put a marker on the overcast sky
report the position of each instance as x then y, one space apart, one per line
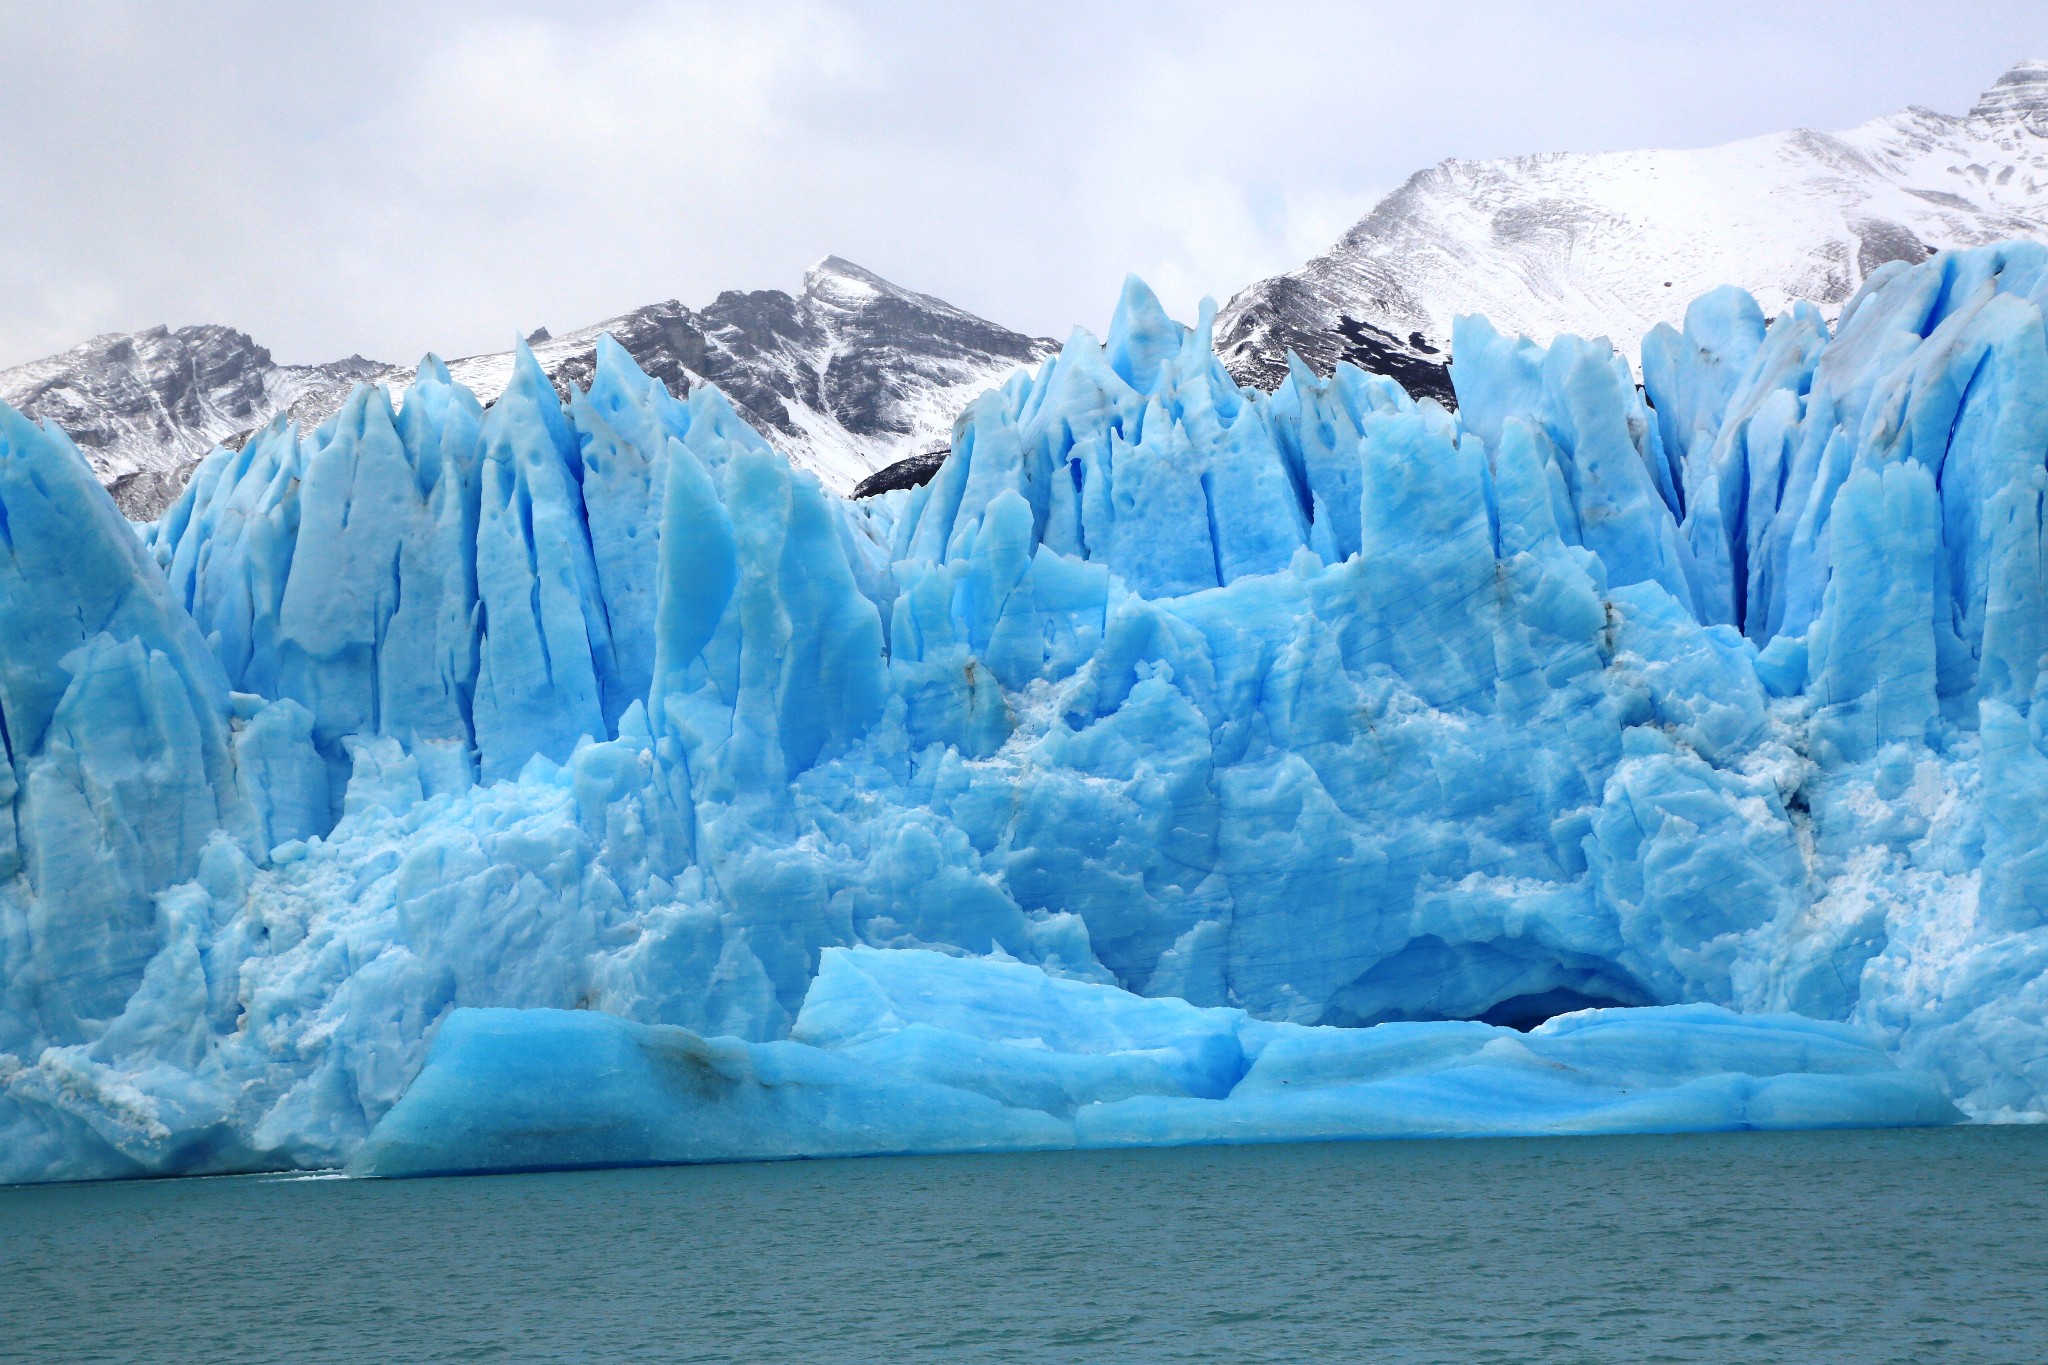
388 178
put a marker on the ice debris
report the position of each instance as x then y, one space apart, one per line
1324 706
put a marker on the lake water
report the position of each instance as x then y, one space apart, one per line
1910 1246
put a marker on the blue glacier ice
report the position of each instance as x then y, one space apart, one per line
913 1051
1194 741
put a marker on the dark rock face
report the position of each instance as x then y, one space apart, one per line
1255 348
1417 364
892 343
851 346
842 375
664 338
146 406
158 382
914 472
1878 242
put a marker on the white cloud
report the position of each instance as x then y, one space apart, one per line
392 177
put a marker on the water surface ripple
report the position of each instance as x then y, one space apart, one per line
1864 1247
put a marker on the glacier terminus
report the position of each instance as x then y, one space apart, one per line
559 783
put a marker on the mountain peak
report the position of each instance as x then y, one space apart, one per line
1586 243
841 286
2020 95
843 281
840 266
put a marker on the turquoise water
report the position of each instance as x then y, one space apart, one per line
1910 1246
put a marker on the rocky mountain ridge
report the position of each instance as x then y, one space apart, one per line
847 376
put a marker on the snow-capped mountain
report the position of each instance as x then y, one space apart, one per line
848 376
1613 243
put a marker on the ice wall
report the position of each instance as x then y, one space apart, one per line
1324 705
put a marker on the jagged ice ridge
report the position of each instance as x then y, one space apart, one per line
1711 707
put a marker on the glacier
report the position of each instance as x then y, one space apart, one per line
1597 758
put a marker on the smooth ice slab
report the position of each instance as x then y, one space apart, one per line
510 1090
916 1051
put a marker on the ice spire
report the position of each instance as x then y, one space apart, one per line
1142 338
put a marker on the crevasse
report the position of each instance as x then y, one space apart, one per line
1318 708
